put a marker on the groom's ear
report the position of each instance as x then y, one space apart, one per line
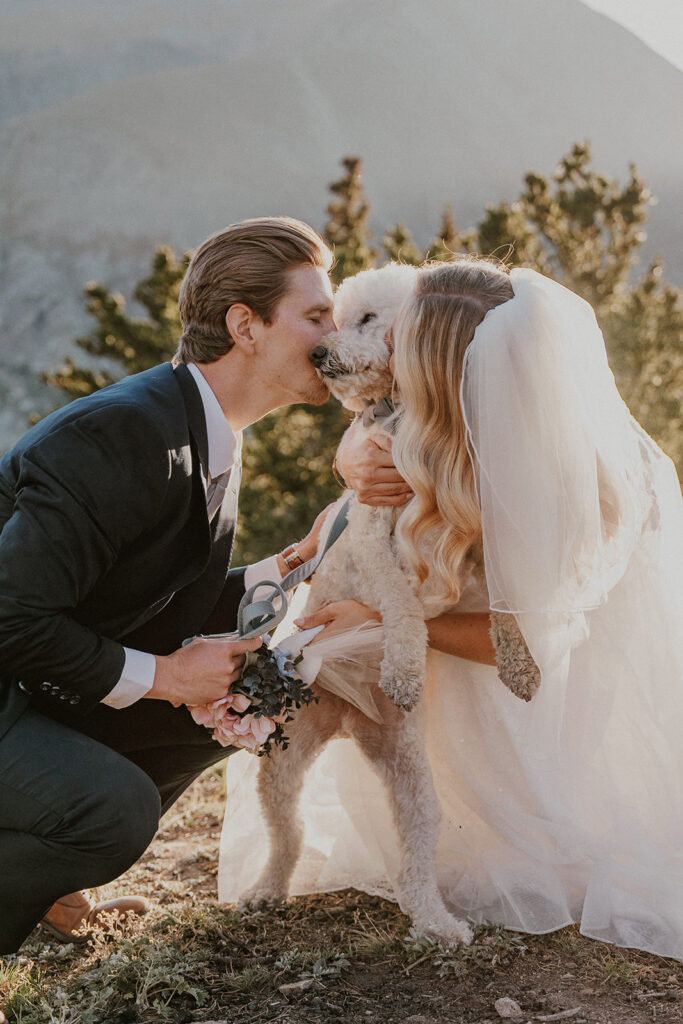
240 320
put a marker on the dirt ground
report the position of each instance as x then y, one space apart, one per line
346 957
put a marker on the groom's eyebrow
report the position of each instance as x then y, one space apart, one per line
319 309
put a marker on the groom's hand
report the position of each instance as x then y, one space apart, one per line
368 468
201 672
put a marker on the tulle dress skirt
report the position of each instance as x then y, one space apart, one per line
567 809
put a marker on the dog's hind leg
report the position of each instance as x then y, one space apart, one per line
280 781
398 757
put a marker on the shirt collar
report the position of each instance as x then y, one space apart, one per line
225 446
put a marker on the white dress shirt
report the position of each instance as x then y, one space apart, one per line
225 449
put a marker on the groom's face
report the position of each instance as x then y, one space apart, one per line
301 320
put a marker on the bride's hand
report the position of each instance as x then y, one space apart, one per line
338 616
367 467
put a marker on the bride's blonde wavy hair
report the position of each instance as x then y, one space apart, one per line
431 334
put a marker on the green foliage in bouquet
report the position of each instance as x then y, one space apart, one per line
274 689
577 226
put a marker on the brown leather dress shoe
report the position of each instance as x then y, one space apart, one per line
73 917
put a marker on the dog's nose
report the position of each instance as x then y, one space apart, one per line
318 354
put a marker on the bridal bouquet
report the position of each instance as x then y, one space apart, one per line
255 709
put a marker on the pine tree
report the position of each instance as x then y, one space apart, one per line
643 328
591 227
399 244
507 234
133 343
585 230
447 242
347 231
580 228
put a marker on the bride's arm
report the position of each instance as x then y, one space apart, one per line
463 634
491 639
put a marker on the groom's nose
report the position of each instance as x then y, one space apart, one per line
318 354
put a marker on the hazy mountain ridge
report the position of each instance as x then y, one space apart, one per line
165 122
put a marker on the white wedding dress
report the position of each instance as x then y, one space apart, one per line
566 809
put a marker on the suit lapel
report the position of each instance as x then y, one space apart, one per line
196 420
225 518
221 529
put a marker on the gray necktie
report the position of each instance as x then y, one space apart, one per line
215 492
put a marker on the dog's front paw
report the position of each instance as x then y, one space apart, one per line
524 686
516 668
403 689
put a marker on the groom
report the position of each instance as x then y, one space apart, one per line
117 517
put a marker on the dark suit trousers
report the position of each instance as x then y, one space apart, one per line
86 803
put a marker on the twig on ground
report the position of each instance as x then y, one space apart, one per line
562 1015
422 959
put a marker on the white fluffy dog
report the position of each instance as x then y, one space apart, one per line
364 565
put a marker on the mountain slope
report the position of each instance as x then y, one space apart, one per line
162 121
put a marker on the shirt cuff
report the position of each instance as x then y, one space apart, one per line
136 679
266 569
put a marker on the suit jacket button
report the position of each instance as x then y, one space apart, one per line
64 696
75 699
54 690
46 687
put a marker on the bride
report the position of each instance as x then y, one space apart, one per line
566 809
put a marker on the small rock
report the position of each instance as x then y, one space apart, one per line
508 1008
673 995
295 987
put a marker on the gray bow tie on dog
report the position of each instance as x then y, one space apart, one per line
380 413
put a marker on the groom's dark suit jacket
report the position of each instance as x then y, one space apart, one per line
105 541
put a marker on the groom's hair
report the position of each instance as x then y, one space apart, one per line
245 262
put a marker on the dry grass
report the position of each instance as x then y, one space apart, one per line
355 956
